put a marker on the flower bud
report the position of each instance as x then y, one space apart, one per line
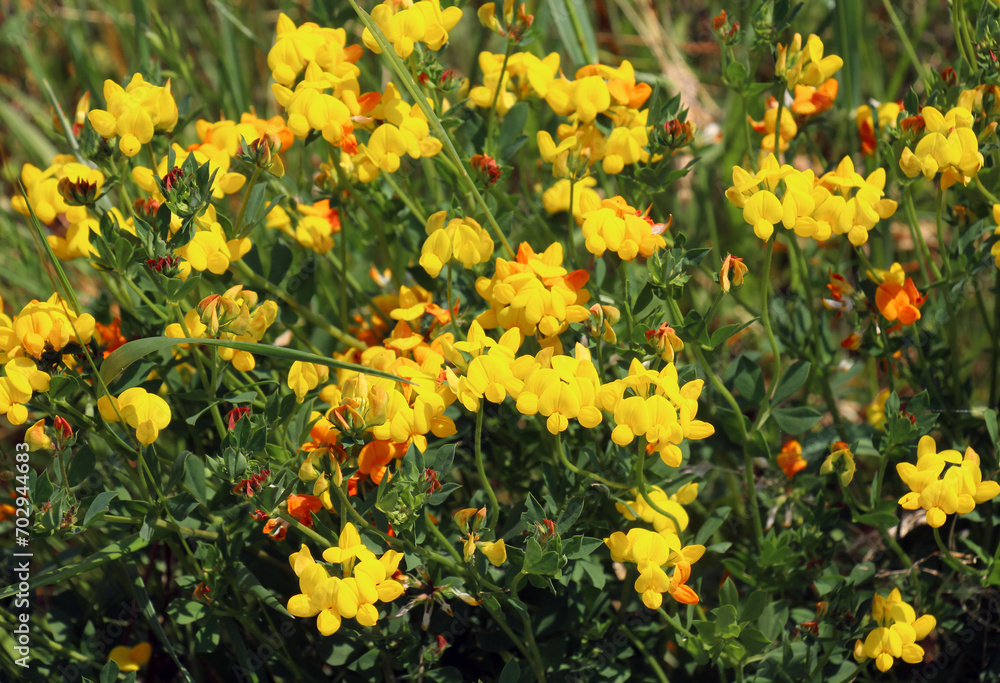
77 193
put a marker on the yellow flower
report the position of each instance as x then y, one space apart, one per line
134 113
897 633
806 66
461 239
36 437
949 147
131 659
304 377
495 552
875 412
841 457
768 126
366 581
22 379
556 198
405 24
146 413
958 491
615 225
209 250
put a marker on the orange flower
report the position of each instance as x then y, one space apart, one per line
851 342
302 506
735 264
790 459
899 302
810 101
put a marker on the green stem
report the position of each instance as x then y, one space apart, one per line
918 236
765 317
905 39
627 301
995 354
436 532
644 651
164 524
492 115
950 559
939 224
578 30
451 311
404 197
581 472
480 468
238 226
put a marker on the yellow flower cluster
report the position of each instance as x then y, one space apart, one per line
534 293
897 633
144 412
366 580
233 316
387 416
402 129
652 404
805 66
134 113
949 147
675 522
408 23
315 224
652 552
613 224
460 239
533 76
326 63
42 192
959 490
841 202
39 334
328 97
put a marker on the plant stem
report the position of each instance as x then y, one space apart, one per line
918 237
576 470
480 468
238 226
765 316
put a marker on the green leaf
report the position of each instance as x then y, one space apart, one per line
109 672
990 416
726 331
580 547
795 420
207 638
128 353
538 561
791 381
753 606
728 595
511 672
186 610
99 506
712 524
194 479
81 466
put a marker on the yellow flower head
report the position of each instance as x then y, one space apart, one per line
134 113
146 413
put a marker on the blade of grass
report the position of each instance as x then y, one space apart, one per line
146 605
128 353
109 553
